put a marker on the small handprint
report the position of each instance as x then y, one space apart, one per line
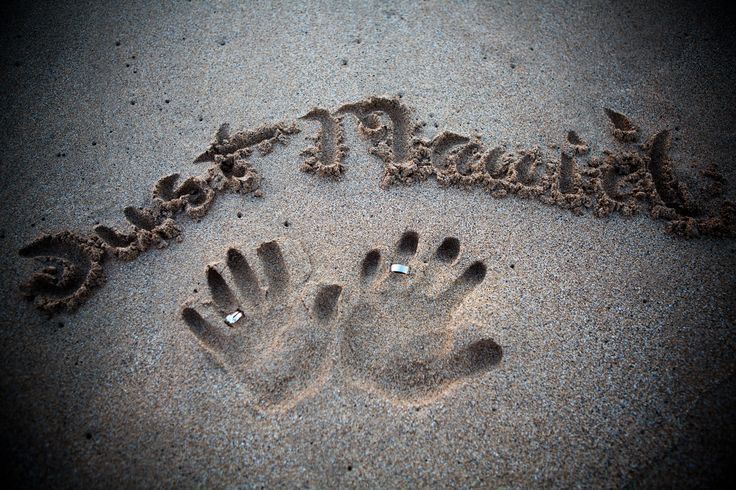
267 336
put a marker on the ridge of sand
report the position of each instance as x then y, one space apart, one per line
624 180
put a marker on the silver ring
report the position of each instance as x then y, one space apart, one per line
400 268
233 317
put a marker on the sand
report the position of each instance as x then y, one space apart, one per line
557 179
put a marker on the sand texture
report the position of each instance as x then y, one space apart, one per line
203 204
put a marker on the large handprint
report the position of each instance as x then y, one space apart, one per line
400 338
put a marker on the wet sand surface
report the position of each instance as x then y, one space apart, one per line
530 346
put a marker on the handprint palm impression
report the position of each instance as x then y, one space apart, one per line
401 338
265 335
398 338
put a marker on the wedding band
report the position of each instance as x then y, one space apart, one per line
400 268
233 318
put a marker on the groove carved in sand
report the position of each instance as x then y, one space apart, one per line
325 157
280 348
399 339
623 129
390 127
72 270
77 260
626 180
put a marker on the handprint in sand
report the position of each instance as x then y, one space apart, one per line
401 338
276 337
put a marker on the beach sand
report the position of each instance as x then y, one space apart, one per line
569 315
